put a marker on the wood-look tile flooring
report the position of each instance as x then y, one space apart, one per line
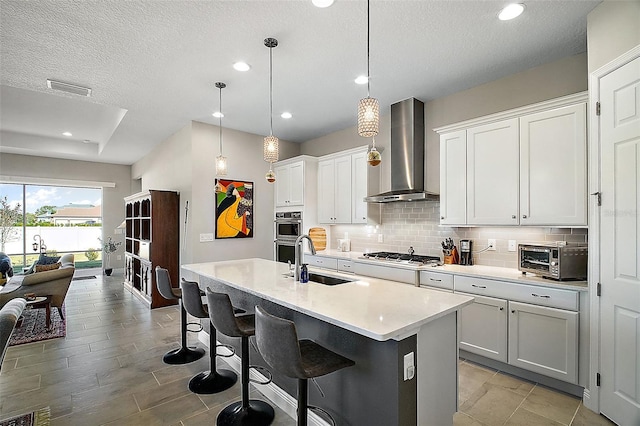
109 370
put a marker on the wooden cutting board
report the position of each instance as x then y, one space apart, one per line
319 238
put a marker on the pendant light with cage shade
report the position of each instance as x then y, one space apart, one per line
270 148
221 160
369 111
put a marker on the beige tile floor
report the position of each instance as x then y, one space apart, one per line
109 370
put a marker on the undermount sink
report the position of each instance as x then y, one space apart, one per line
327 280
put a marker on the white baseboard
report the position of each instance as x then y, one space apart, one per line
272 392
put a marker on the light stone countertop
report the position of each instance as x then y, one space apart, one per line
375 308
476 271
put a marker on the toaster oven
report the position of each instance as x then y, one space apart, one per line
555 261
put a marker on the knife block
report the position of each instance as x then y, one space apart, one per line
451 258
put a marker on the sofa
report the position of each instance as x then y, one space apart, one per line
54 282
9 315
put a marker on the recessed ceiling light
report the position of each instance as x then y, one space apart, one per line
362 79
67 134
511 11
286 115
218 114
322 3
241 66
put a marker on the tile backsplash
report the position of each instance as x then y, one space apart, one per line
417 224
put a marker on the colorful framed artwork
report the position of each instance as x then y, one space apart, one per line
234 209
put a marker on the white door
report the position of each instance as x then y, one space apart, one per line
553 167
342 192
483 327
492 174
544 340
453 178
620 245
326 188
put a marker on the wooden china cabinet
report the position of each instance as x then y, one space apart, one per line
152 239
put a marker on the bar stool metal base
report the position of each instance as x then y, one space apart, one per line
212 382
258 413
183 356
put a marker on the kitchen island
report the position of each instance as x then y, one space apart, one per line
380 324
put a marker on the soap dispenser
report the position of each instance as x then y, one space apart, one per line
304 274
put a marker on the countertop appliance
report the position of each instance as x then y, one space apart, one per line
403 258
558 261
466 256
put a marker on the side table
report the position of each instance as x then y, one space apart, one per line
42 302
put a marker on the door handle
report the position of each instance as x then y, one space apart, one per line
501 308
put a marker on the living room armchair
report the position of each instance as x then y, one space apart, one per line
55 282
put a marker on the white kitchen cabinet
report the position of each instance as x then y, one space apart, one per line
321 261
365 181
483 327
544 340
492 173
437 280
453 178
345 265
553 167
525 166
289 184
334 190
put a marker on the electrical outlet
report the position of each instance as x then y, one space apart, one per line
380 238
512 245
206 237
491 242
409 366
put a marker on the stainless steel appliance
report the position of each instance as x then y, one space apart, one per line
466 256
553 260
404 258
288 227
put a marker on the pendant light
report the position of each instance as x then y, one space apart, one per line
221 161
368 108
270 148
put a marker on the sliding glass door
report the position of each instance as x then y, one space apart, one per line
56 220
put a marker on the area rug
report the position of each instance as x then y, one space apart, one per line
89 277
40 417
34 328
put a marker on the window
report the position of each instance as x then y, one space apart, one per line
51 219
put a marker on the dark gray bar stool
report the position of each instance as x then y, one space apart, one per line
212 381
184 354
245 412
278 343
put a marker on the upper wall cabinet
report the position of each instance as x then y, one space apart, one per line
344 180
521 167
291 176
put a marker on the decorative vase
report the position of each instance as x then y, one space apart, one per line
108 271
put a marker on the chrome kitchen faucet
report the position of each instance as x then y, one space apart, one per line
298 253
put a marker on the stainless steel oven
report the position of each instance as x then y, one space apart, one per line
288 225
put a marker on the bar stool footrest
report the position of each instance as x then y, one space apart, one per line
227 347
324 414
198 328
265 372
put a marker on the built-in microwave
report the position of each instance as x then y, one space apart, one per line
558 261
288 225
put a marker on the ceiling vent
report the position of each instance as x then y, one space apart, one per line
69 88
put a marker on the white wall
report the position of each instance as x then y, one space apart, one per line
185 163
613 28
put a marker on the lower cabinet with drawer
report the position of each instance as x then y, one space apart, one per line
538 337
321 261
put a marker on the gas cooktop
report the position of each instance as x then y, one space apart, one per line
404 258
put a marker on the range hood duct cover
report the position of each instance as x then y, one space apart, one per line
407 155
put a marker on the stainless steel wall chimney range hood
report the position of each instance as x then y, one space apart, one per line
407 155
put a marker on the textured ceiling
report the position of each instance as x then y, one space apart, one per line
156 62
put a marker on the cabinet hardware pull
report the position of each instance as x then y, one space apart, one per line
513 216
441 217
433 279
543 296
502 308
513 312
524 216
478 286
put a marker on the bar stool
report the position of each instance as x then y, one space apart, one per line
246 412
212 381
184 354
278 343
